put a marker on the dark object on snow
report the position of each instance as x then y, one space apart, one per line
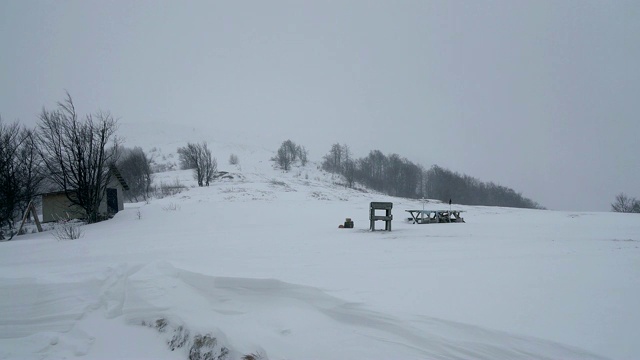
348 224
386 206
222 175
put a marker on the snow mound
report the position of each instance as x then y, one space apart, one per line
201 315
268 311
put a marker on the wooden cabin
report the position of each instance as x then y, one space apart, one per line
56 205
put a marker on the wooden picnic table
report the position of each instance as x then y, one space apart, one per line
435 216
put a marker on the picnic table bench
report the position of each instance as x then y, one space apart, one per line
435 216
387 217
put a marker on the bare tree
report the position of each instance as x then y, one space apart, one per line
289 153
20 172
624 203
190 158
209 165
346 152
9 182
349 172
283 159
333 160
397 176
292 150
31 168
198 157
303 155
187 157
135 167
286 155
77 155
336 159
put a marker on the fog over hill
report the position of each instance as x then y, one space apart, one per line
539 96
395 175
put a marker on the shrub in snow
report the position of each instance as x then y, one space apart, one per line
233 159
161 324
67 230
204 348
169 189
179 338
171 207
199 347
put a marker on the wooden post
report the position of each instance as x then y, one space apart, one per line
372 215
387 223
30 209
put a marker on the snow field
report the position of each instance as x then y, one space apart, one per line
258 262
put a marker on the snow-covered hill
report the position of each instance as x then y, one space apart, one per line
257 262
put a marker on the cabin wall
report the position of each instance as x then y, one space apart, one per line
57 207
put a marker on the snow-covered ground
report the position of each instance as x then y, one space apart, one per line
258 263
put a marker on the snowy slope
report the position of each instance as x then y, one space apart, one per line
258 263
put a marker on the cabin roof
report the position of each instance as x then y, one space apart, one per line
53 189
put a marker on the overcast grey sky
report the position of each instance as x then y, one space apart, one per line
540 96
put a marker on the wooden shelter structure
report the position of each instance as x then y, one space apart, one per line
56 205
